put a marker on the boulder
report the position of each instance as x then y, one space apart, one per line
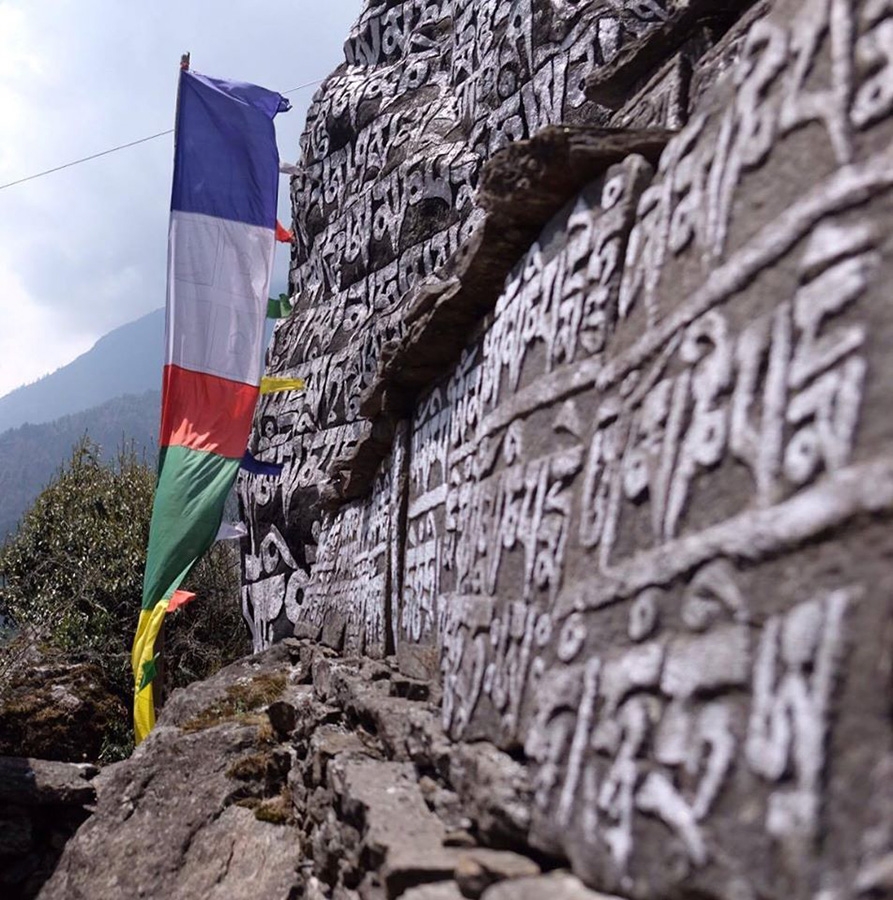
58 710
198 809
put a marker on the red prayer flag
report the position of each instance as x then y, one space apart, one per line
283 235
180 598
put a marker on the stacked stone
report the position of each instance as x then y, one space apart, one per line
589 299
264 785
390 159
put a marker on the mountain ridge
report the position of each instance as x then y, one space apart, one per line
127 360
111 393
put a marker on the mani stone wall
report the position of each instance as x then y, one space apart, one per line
592 304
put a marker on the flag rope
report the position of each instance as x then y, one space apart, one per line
151 137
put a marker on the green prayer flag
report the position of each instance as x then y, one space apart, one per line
280 308
150 670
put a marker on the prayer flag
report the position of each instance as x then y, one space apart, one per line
283 235
180 598
279 308
220 257
231 531
272 385
256 467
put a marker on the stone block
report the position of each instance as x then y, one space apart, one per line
558 886
42 782
444 890
479 868
400 834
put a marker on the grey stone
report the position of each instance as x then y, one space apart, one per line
165 823
613 83
459 838
560 886
313 889
42 803
495 791
231 688
16 832
235 855
399 831
478 869
876 877
349 304
328 742
283 717
662 102
42 782
444 890
616 472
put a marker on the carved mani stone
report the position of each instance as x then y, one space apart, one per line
602 442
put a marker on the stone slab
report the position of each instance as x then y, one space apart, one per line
399 832
45 782
561 886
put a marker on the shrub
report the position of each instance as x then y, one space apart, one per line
71 577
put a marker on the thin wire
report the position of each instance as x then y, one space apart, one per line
87 158
306 84
151 137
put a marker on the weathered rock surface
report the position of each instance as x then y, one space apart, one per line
404 840
385 200
168 821
444 890
560 886
355 799
166 825
478 869
42 803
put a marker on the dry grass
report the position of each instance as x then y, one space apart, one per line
277 810
240 703
251 768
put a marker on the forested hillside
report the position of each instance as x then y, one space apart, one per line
31 454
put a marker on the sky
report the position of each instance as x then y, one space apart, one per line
84 250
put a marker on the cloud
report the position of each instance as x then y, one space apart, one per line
84 250
24 329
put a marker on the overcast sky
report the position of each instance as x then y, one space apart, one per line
83 251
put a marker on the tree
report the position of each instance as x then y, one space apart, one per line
71 577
